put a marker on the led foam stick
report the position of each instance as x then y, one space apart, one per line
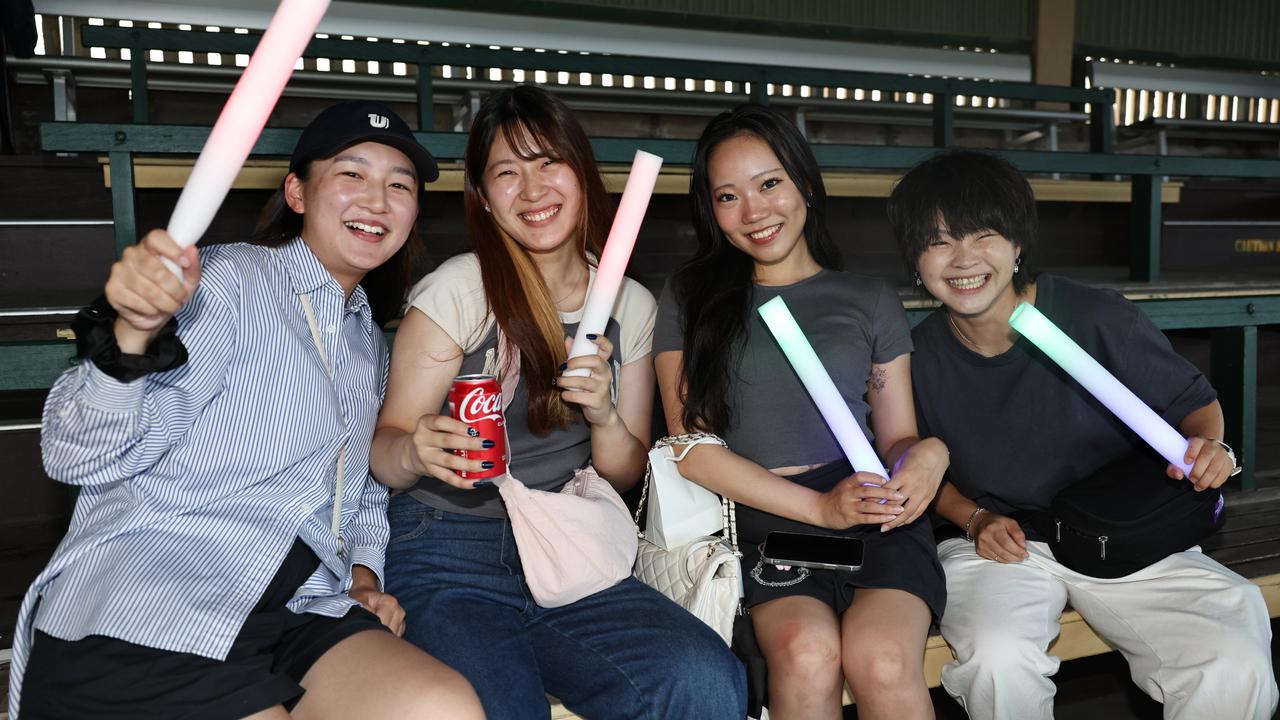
243 118
1040 330
815 379
617 252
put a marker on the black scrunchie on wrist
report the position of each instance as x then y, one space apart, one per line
95 332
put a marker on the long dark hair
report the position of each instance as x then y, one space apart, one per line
385 285
534 123
713 289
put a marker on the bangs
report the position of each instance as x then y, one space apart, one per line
530 139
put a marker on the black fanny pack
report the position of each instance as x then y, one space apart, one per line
1125 517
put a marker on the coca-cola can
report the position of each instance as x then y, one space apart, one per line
477 401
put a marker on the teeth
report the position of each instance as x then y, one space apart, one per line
967 283
365 228
542 215
762 234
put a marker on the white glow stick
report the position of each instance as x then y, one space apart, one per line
243 118
1040 330
616 255
818 382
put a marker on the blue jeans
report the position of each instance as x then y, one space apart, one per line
625 652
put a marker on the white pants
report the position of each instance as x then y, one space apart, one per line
1197 636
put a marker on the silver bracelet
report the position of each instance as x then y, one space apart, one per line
968 524
1236 468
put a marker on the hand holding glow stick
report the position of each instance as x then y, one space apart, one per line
1120 400
616 255
818 382
242 119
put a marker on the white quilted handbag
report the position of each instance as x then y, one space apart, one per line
703 576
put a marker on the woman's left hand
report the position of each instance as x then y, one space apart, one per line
591 392
917 475
1211 466
364 590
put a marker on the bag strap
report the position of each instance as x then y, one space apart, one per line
689 440
340 473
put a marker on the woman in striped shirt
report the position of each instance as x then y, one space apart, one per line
225 555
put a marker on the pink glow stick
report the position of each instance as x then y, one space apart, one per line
243 118
616 255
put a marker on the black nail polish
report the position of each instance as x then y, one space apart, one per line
592 336
486 444
564 366
473 432
487 464
481 484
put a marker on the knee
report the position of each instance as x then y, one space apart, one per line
1003 654
1242 671
448 694
883 668
706 671
805 660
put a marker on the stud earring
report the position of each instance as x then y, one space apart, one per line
486 209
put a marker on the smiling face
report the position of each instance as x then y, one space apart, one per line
971 275
533 197
358 208
757 206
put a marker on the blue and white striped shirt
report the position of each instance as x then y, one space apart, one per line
195 482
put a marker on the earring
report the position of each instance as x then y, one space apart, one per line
486 209
919 281
1016 265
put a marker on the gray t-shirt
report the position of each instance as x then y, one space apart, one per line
453 296
851 322
1018 427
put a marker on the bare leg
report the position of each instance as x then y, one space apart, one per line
882 638
276 713
375 674
800 639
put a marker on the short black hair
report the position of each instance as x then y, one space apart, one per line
964 192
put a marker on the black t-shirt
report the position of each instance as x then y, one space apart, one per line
1019 428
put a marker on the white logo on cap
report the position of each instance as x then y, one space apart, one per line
378 121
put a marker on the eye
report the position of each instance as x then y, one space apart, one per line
350 174
400 186
548 162
938 243
726 197
770 183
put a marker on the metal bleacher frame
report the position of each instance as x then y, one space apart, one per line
1233 317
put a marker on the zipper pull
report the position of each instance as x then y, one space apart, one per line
1103 540
1058 525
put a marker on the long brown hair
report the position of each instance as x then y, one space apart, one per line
534 123
385 285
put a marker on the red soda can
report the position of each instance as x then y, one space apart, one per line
477 401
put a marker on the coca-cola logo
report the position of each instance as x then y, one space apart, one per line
480 405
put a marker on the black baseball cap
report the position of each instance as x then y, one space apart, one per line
346 124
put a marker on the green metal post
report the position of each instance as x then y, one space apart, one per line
1102 129
944 125
126 222
1233 367
138 80
760 89
1144 228
426 119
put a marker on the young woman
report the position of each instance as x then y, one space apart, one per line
759 211
537 214
1196 635
226 552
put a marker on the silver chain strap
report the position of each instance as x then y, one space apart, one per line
801 574
727 507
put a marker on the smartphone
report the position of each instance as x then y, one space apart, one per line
827 552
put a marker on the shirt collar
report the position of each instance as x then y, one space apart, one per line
307 275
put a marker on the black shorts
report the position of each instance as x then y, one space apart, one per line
108 679
904 558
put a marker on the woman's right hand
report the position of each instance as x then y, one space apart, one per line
998 538
855 500
430 450
145 293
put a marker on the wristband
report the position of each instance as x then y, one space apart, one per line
94 327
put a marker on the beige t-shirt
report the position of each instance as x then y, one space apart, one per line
453 297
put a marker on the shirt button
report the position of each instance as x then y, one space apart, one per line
306 508
332 328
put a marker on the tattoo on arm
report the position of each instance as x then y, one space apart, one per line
878 378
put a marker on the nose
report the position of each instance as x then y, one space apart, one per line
963 254
375 198
532 187
754 209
